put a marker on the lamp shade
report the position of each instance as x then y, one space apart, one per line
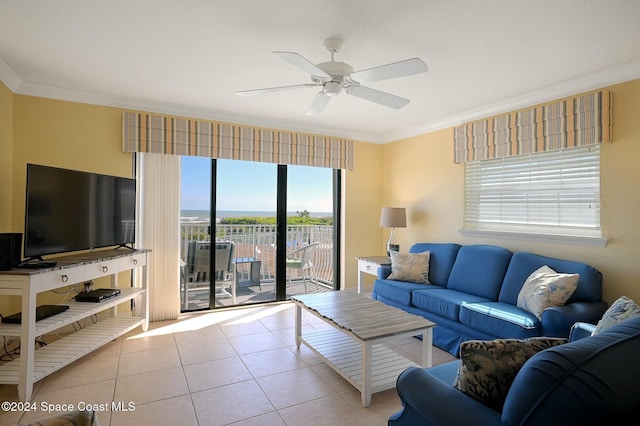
393 217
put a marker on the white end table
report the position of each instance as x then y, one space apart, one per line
369 265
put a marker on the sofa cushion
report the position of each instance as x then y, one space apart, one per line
487 368
410 267
479 270
545 288
620 310
500 319
522 264
443 302
443 255
398 291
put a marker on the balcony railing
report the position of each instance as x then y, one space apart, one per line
259 242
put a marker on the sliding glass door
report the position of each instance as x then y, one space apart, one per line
195 233
246 195
310 232
271 234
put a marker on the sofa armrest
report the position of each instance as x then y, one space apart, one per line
430 401
580 330
384 271
558 320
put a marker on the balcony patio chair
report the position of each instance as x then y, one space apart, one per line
225 269
197 269
302 259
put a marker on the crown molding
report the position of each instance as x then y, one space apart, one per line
38 90
9 77
598 80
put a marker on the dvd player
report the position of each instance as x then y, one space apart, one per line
42 312
97 295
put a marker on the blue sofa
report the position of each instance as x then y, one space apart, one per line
589 381
473 293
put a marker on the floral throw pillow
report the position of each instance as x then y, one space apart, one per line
621 310
411 267
544 288
487 368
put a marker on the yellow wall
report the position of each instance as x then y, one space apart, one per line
362 197
6 159
419 174
68 135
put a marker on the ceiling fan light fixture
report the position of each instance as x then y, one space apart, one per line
332 88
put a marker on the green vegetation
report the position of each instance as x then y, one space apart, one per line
248 220
303 218
306 220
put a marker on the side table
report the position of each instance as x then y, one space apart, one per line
253 273
369 265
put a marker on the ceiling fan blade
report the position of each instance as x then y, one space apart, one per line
394 70
273 89
303 63
319 103
373 95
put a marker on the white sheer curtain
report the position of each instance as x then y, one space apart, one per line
159 230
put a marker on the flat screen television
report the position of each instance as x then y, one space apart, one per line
70 210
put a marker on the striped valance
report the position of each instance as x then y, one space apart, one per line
579 121
143 132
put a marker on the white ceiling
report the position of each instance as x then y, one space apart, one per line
189 57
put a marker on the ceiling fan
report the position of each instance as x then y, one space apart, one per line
332 77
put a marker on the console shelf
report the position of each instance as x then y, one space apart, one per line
60 353
34 365
76 312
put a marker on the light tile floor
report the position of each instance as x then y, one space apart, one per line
237 366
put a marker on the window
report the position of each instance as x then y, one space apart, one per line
553 193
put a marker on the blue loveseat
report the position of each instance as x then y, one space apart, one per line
590 381
473 294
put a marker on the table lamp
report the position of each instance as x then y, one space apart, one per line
393 217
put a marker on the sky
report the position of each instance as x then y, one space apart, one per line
251 186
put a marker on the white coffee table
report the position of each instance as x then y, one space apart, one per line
354 346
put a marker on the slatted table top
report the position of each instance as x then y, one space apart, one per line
364 317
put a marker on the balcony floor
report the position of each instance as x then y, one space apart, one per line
199 298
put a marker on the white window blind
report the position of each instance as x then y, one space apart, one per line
556 192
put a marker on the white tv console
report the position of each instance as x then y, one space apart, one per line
34 365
